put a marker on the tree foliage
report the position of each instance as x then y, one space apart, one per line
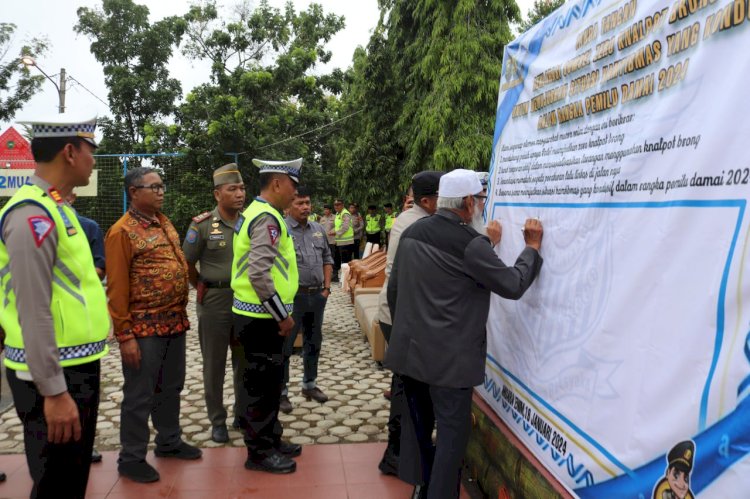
135 55
17 83
540 10
427 88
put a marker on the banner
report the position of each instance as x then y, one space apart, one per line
625 367
12 180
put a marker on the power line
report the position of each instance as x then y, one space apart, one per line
89 91
307 132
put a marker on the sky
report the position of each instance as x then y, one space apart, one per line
55 19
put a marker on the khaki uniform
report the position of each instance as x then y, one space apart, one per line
209 244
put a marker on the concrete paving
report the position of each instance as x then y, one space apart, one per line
356 411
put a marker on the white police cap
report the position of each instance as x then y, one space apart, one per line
291 167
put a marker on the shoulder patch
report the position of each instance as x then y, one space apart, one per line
41 227
273 232
192 235
201 217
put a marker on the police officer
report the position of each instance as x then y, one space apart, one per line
315 265
264 281
53 351
209 241
374 223
343 233
389 217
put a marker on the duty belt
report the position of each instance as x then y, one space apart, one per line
309 291
217 284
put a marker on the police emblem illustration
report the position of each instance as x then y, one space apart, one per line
675 484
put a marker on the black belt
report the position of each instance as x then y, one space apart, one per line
217 284
309 291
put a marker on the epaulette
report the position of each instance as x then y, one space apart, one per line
201 217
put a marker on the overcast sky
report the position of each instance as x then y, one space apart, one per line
55 20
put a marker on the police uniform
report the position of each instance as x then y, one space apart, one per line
209 243
373 225
54 312
389 219
264 281
681 458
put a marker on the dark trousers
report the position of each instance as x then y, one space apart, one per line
336 258
152 390
373 238
402 440
262 372
343 255
355 250
58 470
307 314
215 324
451 409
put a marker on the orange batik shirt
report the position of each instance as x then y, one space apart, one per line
147 277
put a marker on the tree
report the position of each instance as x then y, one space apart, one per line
435 67
17 85
135 55
263 99
540 10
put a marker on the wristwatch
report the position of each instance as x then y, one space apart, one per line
327 289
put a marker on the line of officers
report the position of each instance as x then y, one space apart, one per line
259 279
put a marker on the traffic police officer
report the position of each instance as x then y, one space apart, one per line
373 225
264 281
390 217
54 311
209 241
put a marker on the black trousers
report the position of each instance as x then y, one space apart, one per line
343 255
58 470
451 409
373 238
355 250
261 369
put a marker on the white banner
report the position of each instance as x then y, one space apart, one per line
624 368
12 180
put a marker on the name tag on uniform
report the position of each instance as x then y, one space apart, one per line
215 237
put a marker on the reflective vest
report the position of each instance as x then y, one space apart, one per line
389 219
283 273
313 217
373 224
78 303
348 236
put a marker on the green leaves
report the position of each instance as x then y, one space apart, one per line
17 83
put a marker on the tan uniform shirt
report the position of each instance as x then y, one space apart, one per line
328 224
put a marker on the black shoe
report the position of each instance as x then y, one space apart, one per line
183 451
275 463
3 477
389 464
285 405
289 449
219 434
139 471
95 456
419 492
316 394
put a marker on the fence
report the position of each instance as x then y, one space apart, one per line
188 192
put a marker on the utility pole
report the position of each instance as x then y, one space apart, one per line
61 91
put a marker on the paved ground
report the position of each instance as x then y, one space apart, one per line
356 411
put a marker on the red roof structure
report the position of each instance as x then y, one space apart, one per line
15 150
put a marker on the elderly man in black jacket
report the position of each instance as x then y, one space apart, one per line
439 295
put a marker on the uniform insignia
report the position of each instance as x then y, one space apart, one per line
318 234
41 227
215 225
216 231
273 232
201 217
222 244
71 231
56 197
192 235
215 237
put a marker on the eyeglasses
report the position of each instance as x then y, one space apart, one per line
155 188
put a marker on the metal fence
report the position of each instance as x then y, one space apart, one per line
188 191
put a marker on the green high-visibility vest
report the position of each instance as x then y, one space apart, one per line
78 304
283 273
373 224
348 236
313 217
389 219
